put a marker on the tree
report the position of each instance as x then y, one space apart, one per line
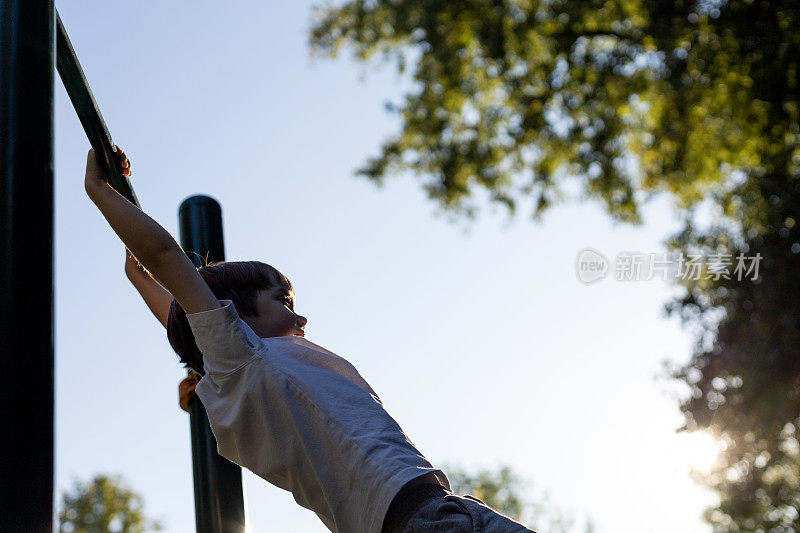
744 377
504 491
630 98
103 505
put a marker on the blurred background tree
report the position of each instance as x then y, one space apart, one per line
522 101
103 505
503 490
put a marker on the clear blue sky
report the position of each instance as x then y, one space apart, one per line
479 338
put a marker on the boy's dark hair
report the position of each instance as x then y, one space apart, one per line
238 281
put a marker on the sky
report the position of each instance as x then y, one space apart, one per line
479 337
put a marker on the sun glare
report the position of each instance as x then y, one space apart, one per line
700 450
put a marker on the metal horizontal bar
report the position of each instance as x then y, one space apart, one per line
69 68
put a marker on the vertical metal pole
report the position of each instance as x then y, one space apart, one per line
27 64
218 495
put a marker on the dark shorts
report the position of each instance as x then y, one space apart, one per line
430 508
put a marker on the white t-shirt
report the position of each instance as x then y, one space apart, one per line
303 419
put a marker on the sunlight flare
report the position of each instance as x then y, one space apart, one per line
700 450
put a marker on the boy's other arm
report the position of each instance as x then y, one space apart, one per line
157 298
148 241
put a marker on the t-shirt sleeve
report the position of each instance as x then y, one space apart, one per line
225 340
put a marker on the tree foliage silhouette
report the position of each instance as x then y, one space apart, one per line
103 505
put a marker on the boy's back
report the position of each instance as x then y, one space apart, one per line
303 419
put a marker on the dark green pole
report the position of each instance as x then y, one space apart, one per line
26 264
218 495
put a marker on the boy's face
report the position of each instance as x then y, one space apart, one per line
276 316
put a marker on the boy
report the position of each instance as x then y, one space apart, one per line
290 411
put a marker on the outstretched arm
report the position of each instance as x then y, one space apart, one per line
148 241
157 298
